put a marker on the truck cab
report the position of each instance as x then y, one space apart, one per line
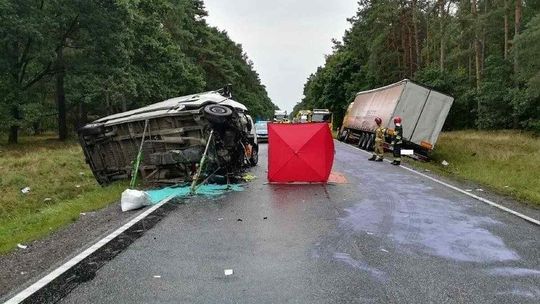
281 116
322 115
303 116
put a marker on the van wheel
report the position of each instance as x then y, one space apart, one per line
217 114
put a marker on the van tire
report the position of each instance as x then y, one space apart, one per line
217 114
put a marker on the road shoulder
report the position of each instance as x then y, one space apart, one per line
24 266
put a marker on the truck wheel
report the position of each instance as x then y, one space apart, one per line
366 141
361 140
371 142
216 113
254 159
346 137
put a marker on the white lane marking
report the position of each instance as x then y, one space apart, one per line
493 204
81 256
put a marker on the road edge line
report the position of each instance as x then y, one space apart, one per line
30 290
484 200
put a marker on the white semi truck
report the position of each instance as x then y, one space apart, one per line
422 110
281 116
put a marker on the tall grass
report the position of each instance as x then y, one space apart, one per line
507 162
61 187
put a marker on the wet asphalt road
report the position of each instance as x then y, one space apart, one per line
387 236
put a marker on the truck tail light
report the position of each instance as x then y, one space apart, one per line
427 145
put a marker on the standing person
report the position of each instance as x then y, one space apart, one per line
378 152
397 141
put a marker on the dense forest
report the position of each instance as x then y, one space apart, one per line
485 53
66 62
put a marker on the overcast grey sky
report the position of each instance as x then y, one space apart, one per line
286 40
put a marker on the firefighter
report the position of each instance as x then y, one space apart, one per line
378 152
397 141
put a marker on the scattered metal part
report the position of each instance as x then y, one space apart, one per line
138 159
201 164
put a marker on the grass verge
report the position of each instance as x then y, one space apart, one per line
61 187
506 162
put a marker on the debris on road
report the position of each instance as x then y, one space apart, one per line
445 163
468 190
157 277
47 199
480 190
25 190
239 220
384 250
265 218
157 195
220 219
228 272
134 199
21 246
248 177
82 213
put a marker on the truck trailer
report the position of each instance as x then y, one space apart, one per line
423 111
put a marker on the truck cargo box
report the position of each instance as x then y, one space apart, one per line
422 109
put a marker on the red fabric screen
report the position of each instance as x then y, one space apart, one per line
299 152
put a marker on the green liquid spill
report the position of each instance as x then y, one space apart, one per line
157 195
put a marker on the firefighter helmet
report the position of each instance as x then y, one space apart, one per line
397 119
378 120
